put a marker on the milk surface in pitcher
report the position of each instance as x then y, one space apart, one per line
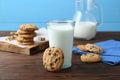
85 30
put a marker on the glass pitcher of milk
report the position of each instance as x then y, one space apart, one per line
85 20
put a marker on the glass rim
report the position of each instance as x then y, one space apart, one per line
60 21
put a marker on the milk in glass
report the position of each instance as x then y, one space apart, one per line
61 35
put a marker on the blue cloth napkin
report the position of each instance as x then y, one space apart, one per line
111 53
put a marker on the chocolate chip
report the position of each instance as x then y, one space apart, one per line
51 64
49 53
57 51
55 54
92 55
56 60
50 50
52 67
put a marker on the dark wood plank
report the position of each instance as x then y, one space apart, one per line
23 67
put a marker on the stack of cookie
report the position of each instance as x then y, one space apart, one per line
26 34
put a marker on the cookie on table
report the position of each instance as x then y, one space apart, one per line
53 59
82 47
90 58
93 48
28 27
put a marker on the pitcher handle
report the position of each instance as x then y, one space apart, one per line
100 20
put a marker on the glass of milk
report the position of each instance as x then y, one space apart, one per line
60 35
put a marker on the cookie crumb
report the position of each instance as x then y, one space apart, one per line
10 38
41 38
13 33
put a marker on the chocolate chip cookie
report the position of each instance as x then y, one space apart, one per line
93 48
28 27
82 47
23 32
53 59
30 35
22 39
26 42
90 58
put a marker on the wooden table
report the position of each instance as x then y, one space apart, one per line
21 67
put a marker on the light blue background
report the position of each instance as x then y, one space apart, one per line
13 13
